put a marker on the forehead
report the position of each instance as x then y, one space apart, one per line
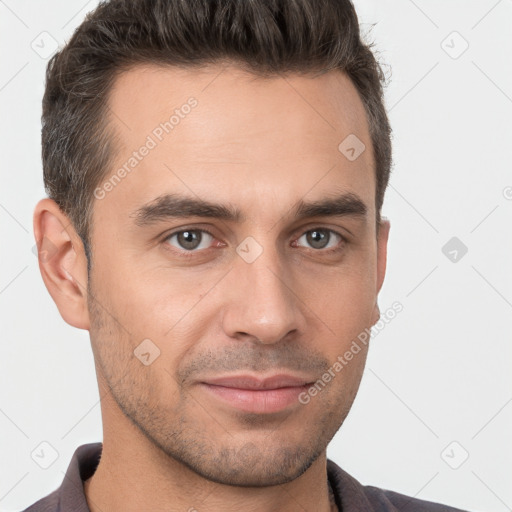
224 132
231 98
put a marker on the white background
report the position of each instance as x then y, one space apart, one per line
438 373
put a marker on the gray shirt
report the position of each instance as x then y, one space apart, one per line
350 495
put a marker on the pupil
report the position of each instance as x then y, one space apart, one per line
318 239
189 239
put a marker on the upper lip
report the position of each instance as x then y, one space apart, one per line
252 382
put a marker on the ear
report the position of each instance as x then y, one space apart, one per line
62 262
382 252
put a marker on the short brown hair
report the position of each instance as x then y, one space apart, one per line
265 37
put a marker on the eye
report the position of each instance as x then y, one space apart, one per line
190 239
320 238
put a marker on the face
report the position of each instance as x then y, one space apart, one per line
234 261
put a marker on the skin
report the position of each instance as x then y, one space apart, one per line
260 145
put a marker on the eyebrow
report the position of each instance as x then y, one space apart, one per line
173 206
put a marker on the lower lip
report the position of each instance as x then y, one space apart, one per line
259 401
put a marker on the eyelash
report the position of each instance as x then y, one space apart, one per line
192 254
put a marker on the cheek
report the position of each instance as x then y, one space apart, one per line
343 300
147 302
163 306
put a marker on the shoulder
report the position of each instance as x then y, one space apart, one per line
70 495
385 500
354 496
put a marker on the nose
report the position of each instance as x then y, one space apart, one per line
263 305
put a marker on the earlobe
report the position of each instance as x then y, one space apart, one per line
376 314
62 262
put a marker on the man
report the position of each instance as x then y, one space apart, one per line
216 172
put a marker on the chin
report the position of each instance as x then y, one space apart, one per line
250 466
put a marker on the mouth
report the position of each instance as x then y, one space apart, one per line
257 395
